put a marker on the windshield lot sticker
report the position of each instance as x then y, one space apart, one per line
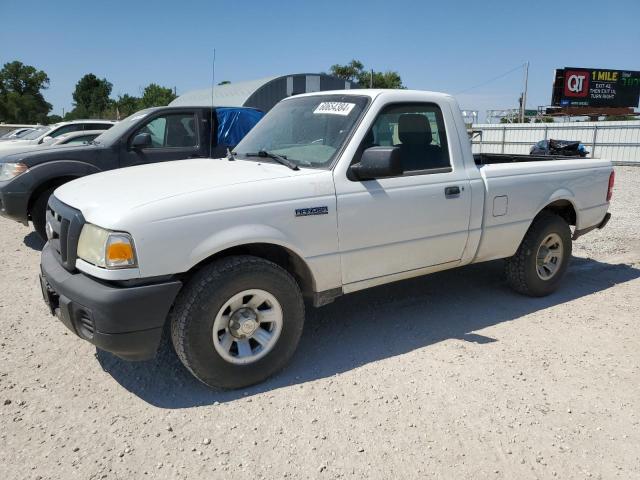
334 108
305 212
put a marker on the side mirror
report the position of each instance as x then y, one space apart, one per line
47 139
141 140
378 162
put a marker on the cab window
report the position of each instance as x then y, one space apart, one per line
74 127
170 131
79 140
417 130
97 126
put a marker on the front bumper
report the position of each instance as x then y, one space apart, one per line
14 205
126 321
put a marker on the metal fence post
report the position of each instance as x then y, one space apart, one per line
504 134
593 144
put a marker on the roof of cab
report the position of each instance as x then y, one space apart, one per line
374 92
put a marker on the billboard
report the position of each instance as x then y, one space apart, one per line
591 87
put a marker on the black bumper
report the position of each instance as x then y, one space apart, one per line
603 223
126 321
14 205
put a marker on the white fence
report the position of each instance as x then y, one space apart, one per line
616 141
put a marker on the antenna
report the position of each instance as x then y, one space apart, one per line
524 94
213 82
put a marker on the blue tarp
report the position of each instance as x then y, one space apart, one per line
235 123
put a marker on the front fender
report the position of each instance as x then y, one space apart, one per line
240 235
62 168
19 193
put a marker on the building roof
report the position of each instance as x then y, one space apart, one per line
229 95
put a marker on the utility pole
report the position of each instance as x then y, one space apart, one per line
371 79
523 108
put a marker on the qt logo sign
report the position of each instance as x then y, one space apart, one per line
576 83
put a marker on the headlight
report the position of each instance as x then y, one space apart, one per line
106 249
10 170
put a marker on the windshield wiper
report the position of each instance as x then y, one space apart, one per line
274 156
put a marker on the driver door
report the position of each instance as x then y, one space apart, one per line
174 136
419 219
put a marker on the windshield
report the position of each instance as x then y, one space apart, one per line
115 132
22 133
37 133
17 133
308 131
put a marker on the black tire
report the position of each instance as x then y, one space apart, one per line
194 312
521 269
39 213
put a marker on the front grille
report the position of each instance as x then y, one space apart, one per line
64 224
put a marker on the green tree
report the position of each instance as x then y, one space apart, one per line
156 96
224 82
91 97
126 105
21 99
354 71
515 119
53 119
617 118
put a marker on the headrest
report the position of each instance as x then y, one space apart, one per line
414 129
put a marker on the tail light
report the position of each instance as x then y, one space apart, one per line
612 180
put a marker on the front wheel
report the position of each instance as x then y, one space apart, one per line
39 213
542 258
237 321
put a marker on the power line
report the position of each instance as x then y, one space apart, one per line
492 79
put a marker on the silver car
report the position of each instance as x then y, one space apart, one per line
42 135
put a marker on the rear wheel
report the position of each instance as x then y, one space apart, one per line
237 321
39 213
542 258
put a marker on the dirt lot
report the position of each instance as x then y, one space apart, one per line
450 376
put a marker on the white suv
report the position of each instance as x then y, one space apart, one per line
46 134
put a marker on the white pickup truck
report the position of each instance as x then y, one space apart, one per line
330 193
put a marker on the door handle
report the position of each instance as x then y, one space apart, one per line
452 192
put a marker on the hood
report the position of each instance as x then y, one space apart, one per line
32 155
6 145
11 148
192 185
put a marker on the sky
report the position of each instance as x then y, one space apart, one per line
449 46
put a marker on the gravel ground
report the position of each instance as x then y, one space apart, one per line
450 376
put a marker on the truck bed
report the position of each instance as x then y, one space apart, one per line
490 158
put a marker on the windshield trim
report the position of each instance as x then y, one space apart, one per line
354 129
122 128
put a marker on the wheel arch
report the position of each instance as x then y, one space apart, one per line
55 173
563 207
283 256
45 185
